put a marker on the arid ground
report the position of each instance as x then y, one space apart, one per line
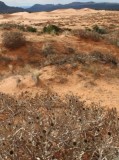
59 85
93 82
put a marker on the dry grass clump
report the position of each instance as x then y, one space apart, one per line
13 40
87 34
113 38
83 58
47 49
95 70
24 28
48 127
105 57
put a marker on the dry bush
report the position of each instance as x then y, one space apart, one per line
105 57
83 58
86 34
24 28
47 49
113 38
13 40
48 127
10 26
95 70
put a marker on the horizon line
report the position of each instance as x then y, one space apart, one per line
58 3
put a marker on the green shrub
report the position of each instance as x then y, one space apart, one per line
13 40
51 29
31 29
99 30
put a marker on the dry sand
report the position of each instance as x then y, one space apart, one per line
70 18
99 91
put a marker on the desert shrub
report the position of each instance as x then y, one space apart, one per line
31 29
113 38
21 27
86 34
47 49
97 55
94 70
88 29
6 26
109 58
99 30
13 40
9 26
104 57
24 28
56 128
51 29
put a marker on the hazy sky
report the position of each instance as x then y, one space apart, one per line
31 2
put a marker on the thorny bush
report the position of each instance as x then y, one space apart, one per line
48 127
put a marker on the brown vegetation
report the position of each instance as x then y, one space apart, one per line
80 58
13 40
48 127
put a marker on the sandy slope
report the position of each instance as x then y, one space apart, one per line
96 91
104 92
66 17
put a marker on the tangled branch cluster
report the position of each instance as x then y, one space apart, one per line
48 127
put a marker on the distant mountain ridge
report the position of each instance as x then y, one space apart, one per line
50 7
7 9
75 5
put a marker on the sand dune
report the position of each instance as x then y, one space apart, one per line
69 18
46 15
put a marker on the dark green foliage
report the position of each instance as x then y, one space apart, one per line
31 29
99 30
51 29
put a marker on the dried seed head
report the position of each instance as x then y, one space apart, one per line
11 152
109 133
74 143
85 141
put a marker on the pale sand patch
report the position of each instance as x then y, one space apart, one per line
103 92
